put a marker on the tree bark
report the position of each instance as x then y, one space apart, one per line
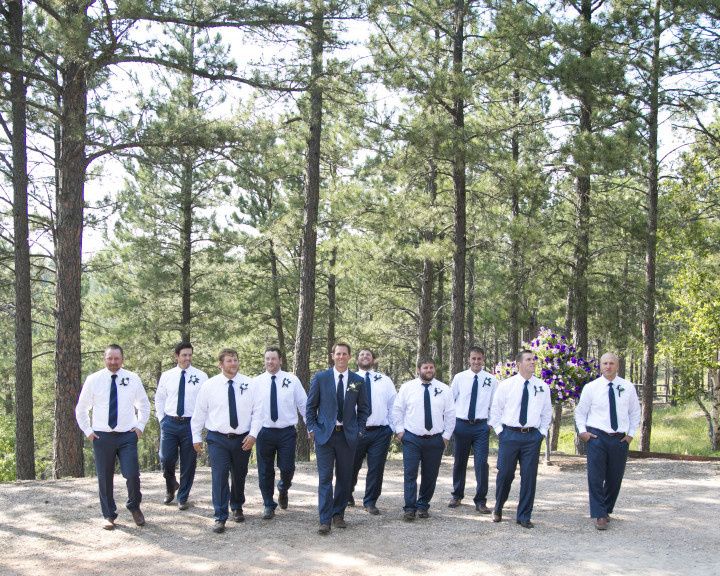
440 322
457 324
425 305
556 422
308 259
186 208
332 305
648 325
68 440
515 248
277 308
470 302
24 435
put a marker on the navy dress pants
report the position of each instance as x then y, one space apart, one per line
275 443
106 448
422 453
606 458
176 439
514 447
374 445
475 437
335 455
227 458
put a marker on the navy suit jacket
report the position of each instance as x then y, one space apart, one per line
321 407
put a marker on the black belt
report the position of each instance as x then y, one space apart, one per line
620 435
371 428
179 418
429 435
229 435
523 430
475 421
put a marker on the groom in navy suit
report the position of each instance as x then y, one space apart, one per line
337 409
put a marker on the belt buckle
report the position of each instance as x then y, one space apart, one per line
338 427
473 421
525 430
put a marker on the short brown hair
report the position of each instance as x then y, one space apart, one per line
338 344
227 352
519 356
367 350
425 360
274 349
476 349
115 347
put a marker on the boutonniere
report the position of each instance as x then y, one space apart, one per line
352 387
124 381
620 390
377 377
286 382
437 391
194 380
243 386
487 382
538 390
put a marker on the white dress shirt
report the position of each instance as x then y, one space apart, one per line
593 409
133 404
382 396
462 384
212 410
291 398
409 409
505 410
166 396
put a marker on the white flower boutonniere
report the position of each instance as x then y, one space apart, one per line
243 386
352 387
487 382
538 390
124 381
620 390
194 380
286 383
437 391
377 377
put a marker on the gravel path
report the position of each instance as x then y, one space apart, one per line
665 524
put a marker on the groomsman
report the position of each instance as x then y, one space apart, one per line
228 406
120 410
174 406
282 398
520 414
472 392
378 431
606 418
336 412
424 419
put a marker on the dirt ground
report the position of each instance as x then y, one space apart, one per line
665 523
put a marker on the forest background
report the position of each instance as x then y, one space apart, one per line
413 177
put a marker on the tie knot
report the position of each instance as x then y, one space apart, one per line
183 372
230 382
475 378
526 383
427 385
113 377
273 377
340 378
610 384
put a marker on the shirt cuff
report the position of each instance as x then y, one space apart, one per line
445 437
399 430
498 429
581 429
88 431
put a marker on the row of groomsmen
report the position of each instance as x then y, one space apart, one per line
351 416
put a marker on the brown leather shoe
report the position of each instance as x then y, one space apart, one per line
183 505
219 526
525 523
601 523
324 529
283 499
170 494
238 515
423 514
372 510
454 503
497 516
409 515
482 509
138 517
338 521
108 524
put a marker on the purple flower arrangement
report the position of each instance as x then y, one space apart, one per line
558 364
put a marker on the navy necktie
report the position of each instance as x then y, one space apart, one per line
181 395
113 411
369 391
613 409
428 411
340 399
524 404
473 399
233 406
273 399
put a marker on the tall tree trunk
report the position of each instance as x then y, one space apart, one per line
470 301
515 248
332 304
440 321
277 308
306 304
425 305
68 440
457 323
648 325
555 428
582 200
24 435
186 207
